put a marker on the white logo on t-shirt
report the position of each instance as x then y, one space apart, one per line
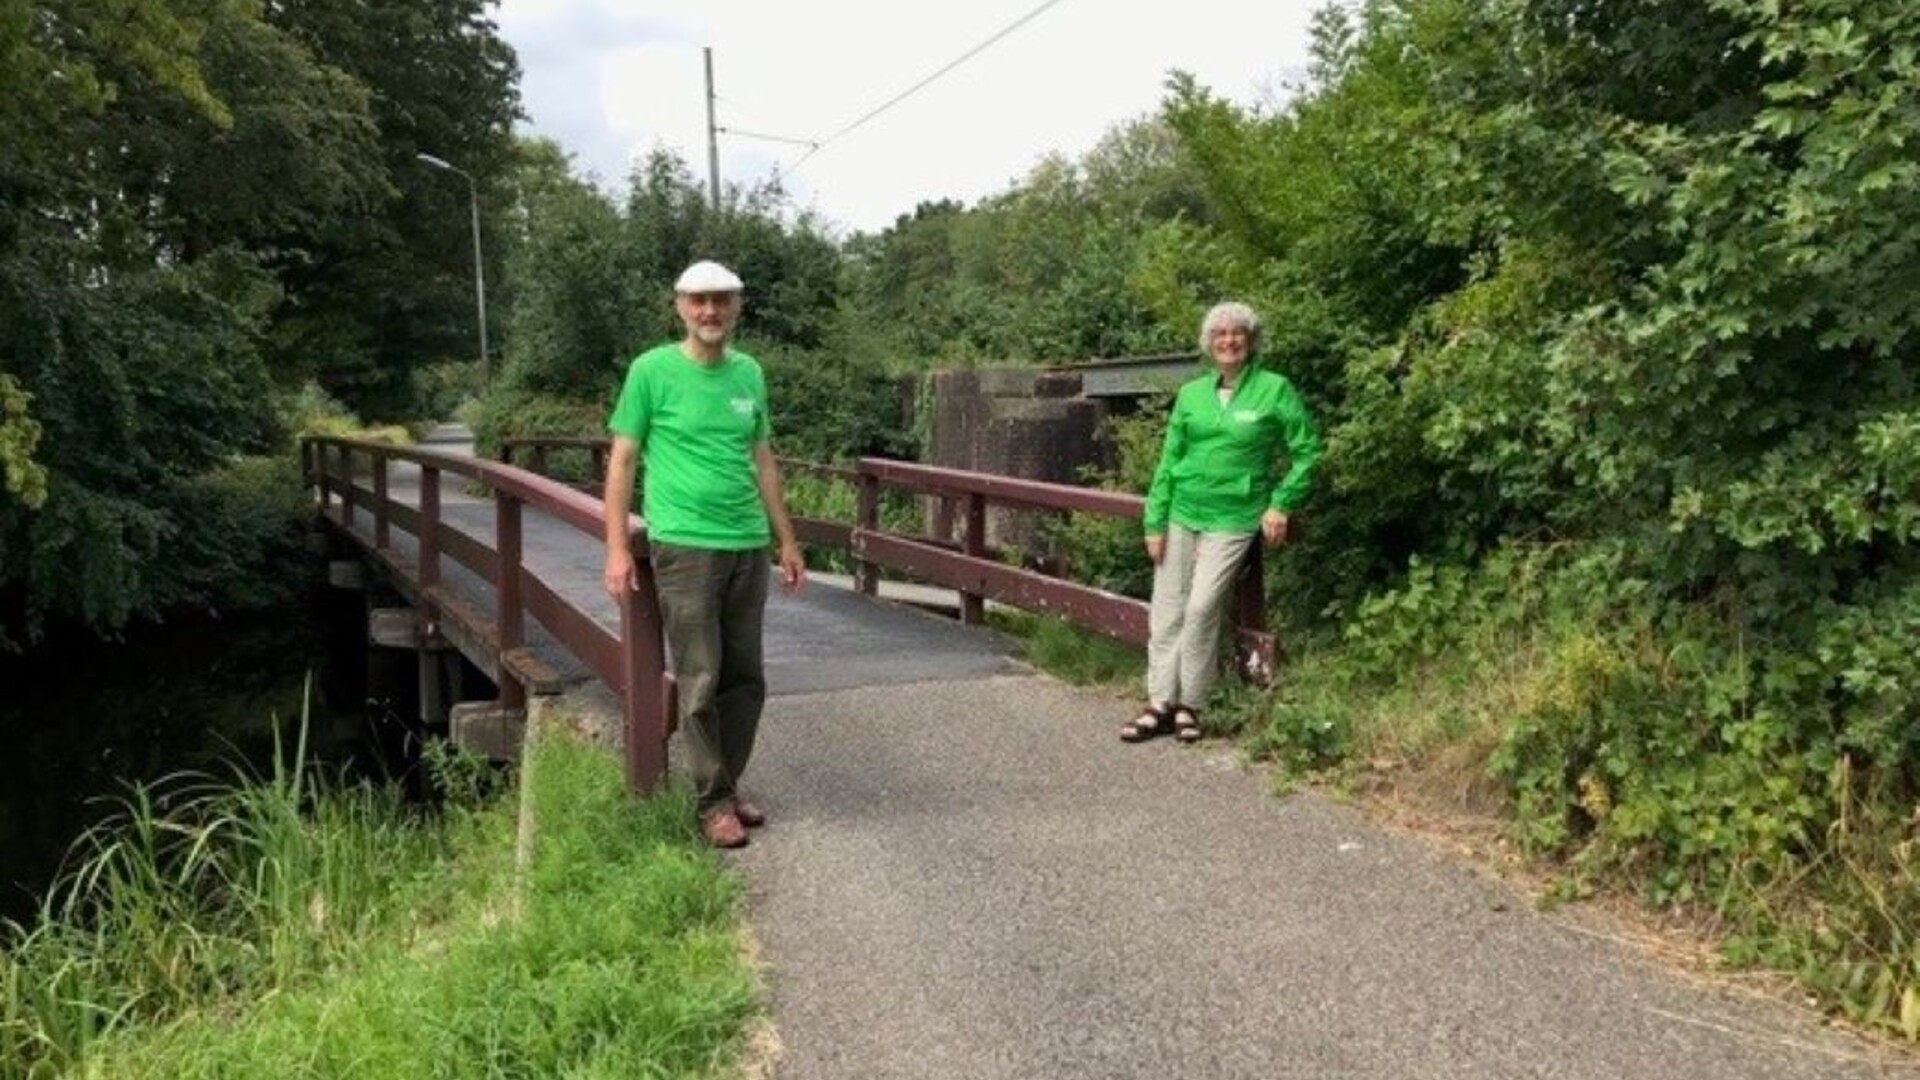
743 406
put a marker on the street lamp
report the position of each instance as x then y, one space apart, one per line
479 275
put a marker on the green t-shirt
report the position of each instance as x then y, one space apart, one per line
1218 467
697 426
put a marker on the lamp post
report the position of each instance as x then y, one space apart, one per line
479 274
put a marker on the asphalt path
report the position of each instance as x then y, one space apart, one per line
971 877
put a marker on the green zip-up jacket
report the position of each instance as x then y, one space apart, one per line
1219 468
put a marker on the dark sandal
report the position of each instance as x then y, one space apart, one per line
1145 726
1186 724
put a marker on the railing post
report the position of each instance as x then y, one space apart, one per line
973 606
866 517
506 451
643 676
1250 613
597 453
380 534
346 486
540 458
323 476
943 519
429 526
509 614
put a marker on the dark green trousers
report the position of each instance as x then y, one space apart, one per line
713 604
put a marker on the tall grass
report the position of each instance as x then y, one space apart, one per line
294 925
199 891
619 957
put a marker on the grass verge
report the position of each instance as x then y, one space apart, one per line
289 929
1630 749
1070 653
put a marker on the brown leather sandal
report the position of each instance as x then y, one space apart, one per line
1186 724
1149 723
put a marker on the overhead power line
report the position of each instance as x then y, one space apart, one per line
737 133
911 90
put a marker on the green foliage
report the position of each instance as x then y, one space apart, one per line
389 288
1104 551
1054 269
19 438
831 498
593 281
201 892
1656 747
1071 653
202 207
829 407
239 545
506 414
444 389
575 318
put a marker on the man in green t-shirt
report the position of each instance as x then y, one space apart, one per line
696 411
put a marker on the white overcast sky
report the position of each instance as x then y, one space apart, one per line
610 79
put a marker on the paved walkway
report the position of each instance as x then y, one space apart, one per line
973 878
967 877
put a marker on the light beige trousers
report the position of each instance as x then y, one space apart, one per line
1192 587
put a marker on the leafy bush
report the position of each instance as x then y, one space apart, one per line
508 414
829 408
1105 551
443 389
239 544
313 411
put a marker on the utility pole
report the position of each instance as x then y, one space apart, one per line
713 139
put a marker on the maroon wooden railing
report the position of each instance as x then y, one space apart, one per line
978 576
971 567
631 662
534 454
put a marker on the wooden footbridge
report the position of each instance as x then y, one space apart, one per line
503 563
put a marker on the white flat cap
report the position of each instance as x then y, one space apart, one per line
707 276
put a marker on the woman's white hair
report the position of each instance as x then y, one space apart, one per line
1230 314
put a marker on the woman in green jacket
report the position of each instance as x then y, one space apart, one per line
1218 486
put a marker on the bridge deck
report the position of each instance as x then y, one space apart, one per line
825 638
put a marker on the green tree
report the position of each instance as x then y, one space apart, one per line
376 295
1056 268
592 281
182 180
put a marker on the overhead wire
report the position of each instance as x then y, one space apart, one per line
911 90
